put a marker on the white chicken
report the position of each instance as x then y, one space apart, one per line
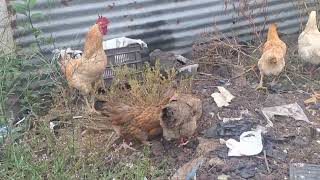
309 42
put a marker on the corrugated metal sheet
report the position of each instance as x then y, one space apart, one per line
170 25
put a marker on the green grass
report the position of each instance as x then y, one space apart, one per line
10 70
43 156
37 153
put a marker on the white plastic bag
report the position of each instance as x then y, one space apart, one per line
122 42
250 144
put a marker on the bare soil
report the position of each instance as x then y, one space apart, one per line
288 141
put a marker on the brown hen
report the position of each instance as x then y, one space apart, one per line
133 121
179 117
272 60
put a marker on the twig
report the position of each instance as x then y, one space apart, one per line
266 161
291 81
248 70
205 74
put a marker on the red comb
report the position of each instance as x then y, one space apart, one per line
103 19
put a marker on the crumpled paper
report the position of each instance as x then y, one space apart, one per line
223 98
250 144
289 110
122 42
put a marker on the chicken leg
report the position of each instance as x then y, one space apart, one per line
90 105
260 86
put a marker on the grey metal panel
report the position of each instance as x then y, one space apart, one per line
167 24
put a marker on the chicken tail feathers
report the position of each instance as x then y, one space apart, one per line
270 58
118 114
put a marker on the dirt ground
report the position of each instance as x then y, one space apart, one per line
288 141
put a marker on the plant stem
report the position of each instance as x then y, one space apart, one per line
33 28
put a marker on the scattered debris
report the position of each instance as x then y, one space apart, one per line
191 69
182 59
68 53
273 150
260 128
314 133
223 177
53 124
250 144
314 99
167 60
247 170
3 133
77 117
229 129
301 171
244 113
223 98
266 161
189 170
122 42
289 110
20 121
313 103
225 120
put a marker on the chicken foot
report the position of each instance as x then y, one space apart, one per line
125 146
183 141
313 70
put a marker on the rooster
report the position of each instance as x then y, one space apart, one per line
82 72
309 42
272 60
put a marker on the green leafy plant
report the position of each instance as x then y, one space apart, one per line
9 73
26 8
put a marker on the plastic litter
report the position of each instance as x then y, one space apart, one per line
250 144
122 42
223 98
53 124
223 177
289 110
301 171
243 113
20 121
230 129
190 68
3 133
231 119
